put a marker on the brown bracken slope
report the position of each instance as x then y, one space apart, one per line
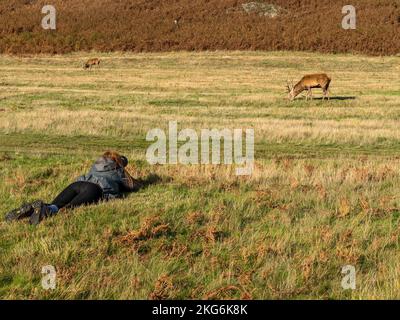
148 25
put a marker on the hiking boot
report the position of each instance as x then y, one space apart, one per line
40 211
24 211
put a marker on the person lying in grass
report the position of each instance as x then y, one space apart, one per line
107 179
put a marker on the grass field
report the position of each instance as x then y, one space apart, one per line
324 192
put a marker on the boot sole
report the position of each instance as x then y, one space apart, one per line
37 211
24 211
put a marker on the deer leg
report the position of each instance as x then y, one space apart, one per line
326 94
327 91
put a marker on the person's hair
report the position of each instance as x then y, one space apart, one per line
120 160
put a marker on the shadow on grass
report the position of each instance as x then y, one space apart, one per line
338 98
151 179
148 181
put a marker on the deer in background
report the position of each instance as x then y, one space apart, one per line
309 82
91 62
177 23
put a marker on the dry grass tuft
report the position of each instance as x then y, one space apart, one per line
344 207
226 293
151 227
162 288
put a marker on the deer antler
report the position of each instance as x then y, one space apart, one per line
288 85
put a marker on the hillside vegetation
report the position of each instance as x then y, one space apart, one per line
324 193
148 25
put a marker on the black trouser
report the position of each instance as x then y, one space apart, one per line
77 194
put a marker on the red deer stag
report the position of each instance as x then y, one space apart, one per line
309 82
92 62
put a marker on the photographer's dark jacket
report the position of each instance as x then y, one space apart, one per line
112 179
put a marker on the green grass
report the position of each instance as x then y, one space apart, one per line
324 193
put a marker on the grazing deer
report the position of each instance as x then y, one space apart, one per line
92 62
309 82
